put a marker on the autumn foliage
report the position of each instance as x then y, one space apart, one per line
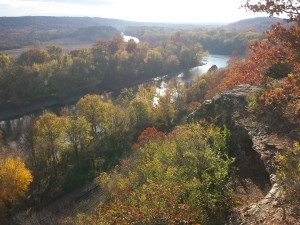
289 175
276 7
14 181
149 134
151 204
180 178
273 64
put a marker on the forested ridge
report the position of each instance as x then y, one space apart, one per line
261 24
17 32
152 158
216 41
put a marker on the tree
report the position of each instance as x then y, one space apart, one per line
116 120
149 134
14 181
165 109
276 7
55 52
104 117
190 56
82 69
181 178
48 140
154 62
100 61
131 46
115 44
142 108
171 64
78 134
32 56
5 61
91 107
124 97
289 175
142 114
279 50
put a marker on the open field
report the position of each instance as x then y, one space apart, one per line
67 44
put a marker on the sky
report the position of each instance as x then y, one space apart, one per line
174 11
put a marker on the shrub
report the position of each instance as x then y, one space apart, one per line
289 175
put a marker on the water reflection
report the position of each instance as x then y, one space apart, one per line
15 127
221 61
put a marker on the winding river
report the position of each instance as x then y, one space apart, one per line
220 61
21 122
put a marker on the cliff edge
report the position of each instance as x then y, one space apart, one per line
256 140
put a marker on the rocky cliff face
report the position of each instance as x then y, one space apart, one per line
255 142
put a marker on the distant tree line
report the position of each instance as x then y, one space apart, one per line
215 41
14 38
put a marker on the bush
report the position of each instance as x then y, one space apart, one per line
289 175
180 178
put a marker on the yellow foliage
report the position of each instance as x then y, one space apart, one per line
14 179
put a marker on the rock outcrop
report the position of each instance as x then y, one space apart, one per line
255 145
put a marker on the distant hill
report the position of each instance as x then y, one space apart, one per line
36 31
258 24
18 32
49 22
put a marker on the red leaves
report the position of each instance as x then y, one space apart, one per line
281 46
284 93
150 133
153 203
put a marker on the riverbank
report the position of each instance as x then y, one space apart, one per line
14 112
10 112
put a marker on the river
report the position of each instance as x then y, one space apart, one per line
126 38
22 122
221 61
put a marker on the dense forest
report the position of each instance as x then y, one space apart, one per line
153 161
53 74
216 41
258 24
39 74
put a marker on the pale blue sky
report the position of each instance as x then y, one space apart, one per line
177 11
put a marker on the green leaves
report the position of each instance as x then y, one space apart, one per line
180 178
289 175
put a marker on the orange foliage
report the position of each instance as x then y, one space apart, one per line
150 133
193 106
154 203
287 91
281 46
213 85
